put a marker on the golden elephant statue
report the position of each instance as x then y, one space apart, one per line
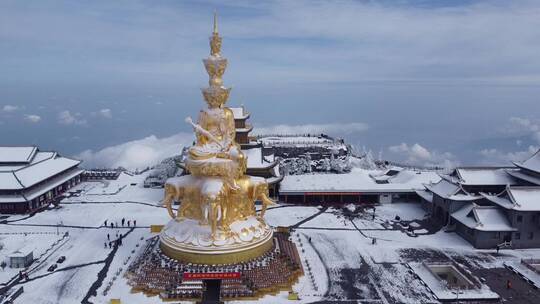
211 201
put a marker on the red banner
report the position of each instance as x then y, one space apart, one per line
210 275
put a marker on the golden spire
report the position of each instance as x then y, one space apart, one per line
215 23
215 40
215 66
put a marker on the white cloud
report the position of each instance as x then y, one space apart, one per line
524 127
66 118
483 40
401 148
416 154
497 157
527 142
9 108
331 129
105 113
135 154
32 118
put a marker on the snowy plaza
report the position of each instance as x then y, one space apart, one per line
336 246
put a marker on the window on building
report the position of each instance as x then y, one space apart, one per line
519 218
517 236
531 235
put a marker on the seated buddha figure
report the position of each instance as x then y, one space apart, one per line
215 152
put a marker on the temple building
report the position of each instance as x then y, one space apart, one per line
261 162
31 179
242 126
489 206
356 187
464 185
521 205
446 197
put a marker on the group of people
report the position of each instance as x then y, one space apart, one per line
123 222
117 241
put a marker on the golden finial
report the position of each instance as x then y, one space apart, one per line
215 40
215 23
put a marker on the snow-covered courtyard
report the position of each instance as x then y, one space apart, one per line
340 258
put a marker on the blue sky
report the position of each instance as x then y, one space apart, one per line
458 79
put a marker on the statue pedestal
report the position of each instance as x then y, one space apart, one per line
189 241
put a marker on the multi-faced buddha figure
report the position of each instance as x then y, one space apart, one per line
215 152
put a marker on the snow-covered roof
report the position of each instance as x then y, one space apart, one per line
446 189
239 112
298 141
484 176
255 158
428 196
43 166
386 175
532 163
52 183
443 188
358 180
483 218
502 201
525 198
17 154
244 130
519 174
22 252
517 198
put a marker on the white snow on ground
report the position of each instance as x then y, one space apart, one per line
329 220
293 215
125 188
406 211
13 239
338 258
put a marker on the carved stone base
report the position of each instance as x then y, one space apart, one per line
188 241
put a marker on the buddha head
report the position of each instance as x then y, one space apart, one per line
216 97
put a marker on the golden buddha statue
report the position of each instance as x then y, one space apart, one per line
215 152
217 221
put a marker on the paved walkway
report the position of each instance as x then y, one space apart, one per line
92 291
